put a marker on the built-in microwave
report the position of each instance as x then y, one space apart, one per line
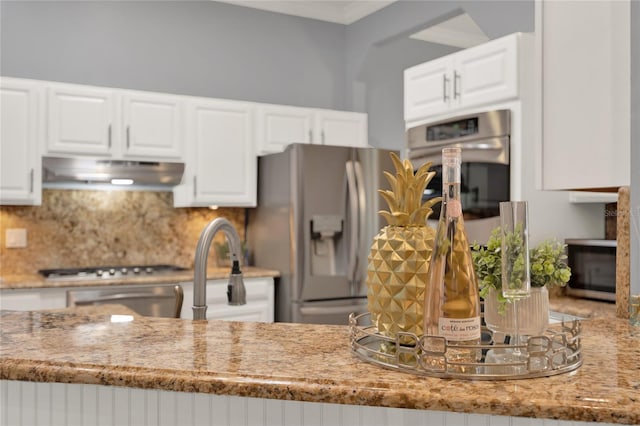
593 268
485 172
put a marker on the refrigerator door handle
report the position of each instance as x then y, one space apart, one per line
362 203
354 225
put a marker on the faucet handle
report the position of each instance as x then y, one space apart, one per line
236 292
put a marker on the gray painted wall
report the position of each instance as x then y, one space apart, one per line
191 47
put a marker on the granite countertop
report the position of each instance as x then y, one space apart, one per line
36 281
306 363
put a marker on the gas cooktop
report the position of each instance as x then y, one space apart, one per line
110 271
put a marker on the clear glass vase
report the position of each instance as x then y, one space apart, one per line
533 313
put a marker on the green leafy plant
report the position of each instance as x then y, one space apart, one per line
547 263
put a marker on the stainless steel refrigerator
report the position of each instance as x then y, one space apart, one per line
316 218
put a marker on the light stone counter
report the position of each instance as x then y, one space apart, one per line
36 281
310 363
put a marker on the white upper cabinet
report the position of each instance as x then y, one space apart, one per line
221 166
103 122
427 88
341 128
477 76
487 73
20 123
279 126
80 120
585 102
153 125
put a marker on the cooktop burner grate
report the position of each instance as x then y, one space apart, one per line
109 271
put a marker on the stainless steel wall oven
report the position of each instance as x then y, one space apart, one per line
484 139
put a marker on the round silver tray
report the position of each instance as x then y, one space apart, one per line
558 351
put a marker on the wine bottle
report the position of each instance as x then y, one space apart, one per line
452 301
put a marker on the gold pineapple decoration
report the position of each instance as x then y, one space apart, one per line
400 254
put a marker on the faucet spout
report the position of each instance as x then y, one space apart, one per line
236 292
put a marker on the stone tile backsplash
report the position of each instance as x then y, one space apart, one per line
88 228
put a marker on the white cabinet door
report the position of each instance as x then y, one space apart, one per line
20 125
81 120
480 75
486 73
153 125
341 128
222 163
427 88
585 93
33 299
279 126
259 307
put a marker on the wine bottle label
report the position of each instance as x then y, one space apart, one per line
458 329
454 208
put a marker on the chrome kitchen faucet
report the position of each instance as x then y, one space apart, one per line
236 293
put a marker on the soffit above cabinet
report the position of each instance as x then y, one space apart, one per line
338 11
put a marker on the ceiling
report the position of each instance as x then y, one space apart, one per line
459 31
338 11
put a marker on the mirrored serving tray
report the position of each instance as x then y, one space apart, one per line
557 351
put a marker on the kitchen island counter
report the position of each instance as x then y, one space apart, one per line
310 363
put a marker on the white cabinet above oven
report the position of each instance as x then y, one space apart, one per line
481 75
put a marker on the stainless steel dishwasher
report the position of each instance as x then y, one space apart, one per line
146 300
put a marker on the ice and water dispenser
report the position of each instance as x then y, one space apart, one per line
327 245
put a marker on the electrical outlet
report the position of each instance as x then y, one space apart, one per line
16 238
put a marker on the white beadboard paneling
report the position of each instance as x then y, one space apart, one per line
43 404
13 405
28 398
274 412
4 404
74 405
152 407
255 411
374 416
498 421
27 404
293 413
312 415
106 406
58 404
237 411
121 407
138 407
185 408
202 409
220 410
167 414
89 405
350 415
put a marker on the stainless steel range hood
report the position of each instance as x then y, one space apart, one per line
112 174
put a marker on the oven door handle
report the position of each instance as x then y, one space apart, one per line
491 150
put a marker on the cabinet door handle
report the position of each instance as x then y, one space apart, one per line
322 137
310 137
128 140
456 79
31 181
445 82
109 136
195 186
